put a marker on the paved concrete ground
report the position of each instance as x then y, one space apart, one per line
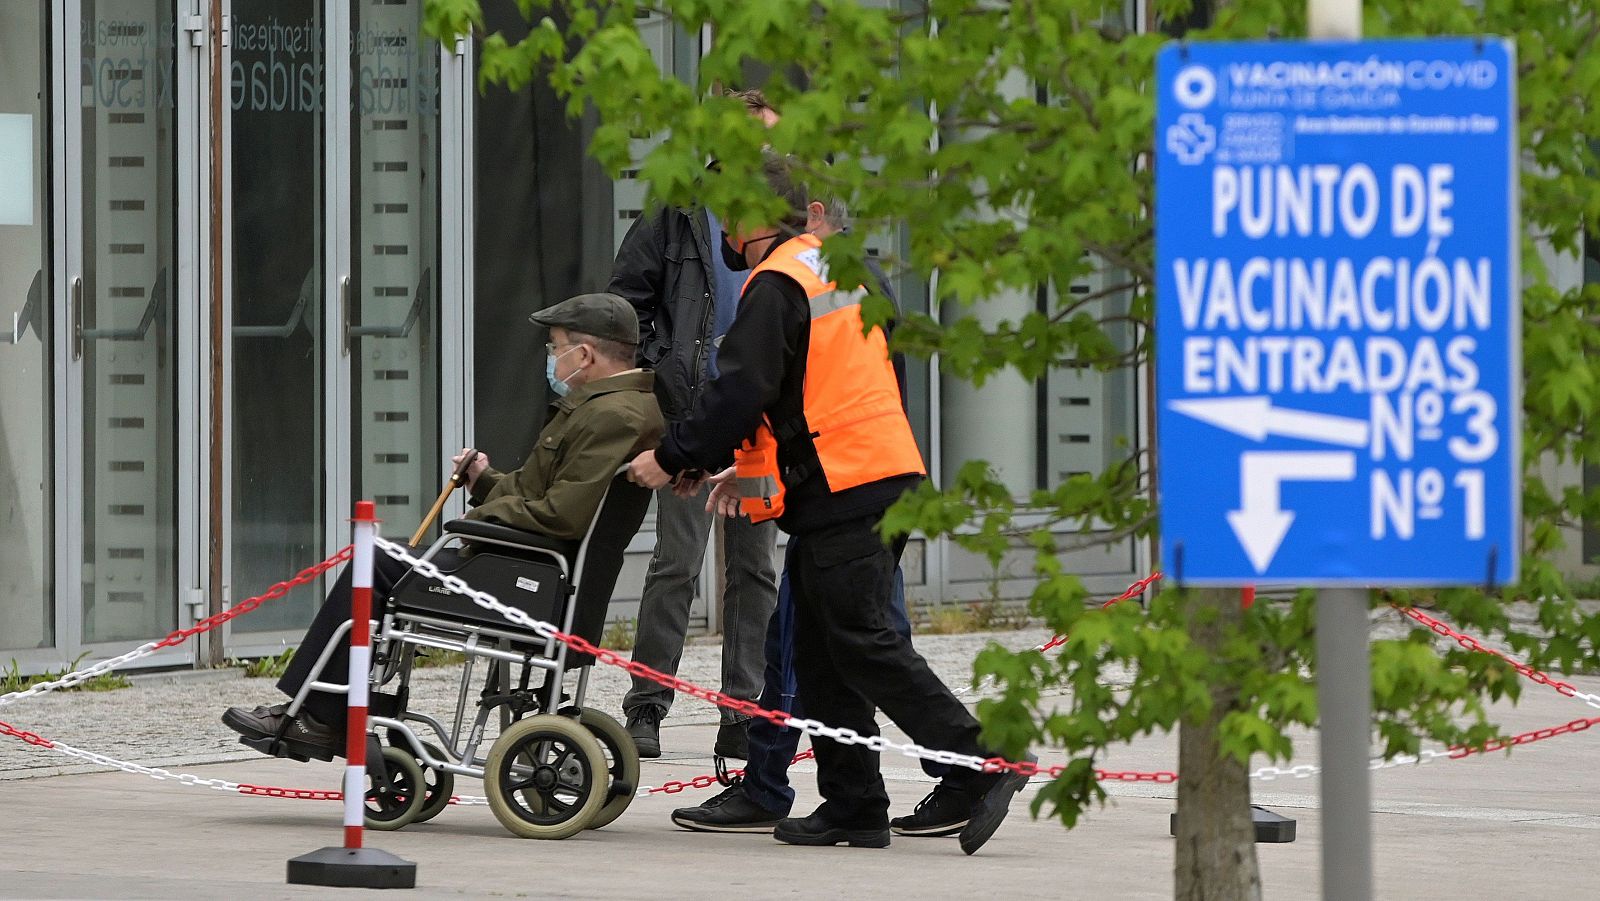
1517 825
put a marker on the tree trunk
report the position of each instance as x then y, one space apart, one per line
1216 859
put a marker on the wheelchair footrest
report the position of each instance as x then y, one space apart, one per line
293 750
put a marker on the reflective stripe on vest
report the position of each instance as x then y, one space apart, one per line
852 405
755 472
833 301
762 488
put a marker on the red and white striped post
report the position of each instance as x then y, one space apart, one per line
364 527
352 865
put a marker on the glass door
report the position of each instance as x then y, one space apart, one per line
335 282
124 133
27 533
391 303
275 275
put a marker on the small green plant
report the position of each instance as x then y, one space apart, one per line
987 615
435 658
995 615
1586 589
12 679
269 667
620 635
948 619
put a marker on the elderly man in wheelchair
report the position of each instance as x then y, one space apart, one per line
548 539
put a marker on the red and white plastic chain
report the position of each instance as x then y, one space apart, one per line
307 575
178 636
1133 591
243 788
1056 641
1566 689
549 631
811 727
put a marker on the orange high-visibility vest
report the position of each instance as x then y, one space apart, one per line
851 405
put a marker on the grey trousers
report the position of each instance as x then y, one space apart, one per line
682 530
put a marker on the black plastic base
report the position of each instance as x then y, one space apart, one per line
352 868
1271 828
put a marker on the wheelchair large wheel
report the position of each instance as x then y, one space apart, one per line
622 762
546 777
440 784
399 805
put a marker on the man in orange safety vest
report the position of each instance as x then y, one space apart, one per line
805 385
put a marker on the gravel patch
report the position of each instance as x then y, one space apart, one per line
173 719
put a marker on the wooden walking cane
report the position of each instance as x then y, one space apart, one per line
449 487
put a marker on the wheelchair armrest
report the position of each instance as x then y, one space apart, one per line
496 532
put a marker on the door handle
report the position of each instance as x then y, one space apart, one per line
403 330
77 318
30 315
344 316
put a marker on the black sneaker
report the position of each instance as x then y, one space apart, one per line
644 724
945 811
997 790
733 740
818 830
304 736
730 811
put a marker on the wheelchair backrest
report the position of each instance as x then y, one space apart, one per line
600 562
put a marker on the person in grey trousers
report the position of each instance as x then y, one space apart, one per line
670 268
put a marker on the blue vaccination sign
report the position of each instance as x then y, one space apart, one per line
1337 312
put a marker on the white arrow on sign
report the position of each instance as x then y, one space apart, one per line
1260 523
1256 418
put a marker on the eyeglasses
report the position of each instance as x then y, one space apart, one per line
551 347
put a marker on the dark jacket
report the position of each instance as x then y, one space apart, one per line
591 433
763 372
665 269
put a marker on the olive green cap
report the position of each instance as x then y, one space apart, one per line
600 315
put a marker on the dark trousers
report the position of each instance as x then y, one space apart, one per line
682 529
849 659
772 747
335 611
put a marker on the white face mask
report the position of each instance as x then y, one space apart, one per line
559 386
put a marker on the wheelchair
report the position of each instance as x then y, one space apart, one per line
556 767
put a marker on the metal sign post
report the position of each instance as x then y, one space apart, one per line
1344 660
1338 340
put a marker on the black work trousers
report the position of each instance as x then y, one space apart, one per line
850 658
335 611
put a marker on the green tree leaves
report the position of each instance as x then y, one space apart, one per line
1011 140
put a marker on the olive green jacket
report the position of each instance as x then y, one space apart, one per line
591 433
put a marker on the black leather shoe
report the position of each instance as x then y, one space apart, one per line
945 811
730 811
644 724
992 806
733 740
303 736
817 830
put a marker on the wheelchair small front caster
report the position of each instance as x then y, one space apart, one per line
441 785
395 800
622 763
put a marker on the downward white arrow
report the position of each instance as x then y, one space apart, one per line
1259 524
1256 418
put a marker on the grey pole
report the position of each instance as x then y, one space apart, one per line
1344 700
1344 660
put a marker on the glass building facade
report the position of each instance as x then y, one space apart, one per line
354 313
